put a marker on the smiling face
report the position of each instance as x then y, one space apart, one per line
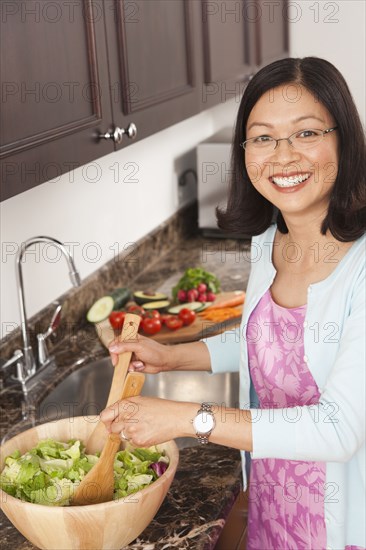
296 182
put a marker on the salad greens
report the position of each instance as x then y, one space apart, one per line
50 472
192 277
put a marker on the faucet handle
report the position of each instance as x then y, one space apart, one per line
16 356
43 355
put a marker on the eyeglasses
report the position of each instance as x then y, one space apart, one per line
304 139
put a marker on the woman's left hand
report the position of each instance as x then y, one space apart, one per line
147 421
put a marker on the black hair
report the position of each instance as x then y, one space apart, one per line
247 211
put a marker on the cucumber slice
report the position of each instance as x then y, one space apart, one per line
203 306
194 306
100 310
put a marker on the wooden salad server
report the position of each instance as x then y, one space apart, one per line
98 485
129 332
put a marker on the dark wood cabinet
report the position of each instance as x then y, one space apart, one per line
238 37
72 72
54 90
271 31
226 43
153 69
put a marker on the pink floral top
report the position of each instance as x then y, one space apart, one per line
286 497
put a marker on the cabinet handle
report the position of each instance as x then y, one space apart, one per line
118 133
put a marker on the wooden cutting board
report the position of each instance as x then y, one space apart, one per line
198 330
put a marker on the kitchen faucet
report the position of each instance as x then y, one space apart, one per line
26 364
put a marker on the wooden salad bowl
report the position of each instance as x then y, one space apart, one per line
109 525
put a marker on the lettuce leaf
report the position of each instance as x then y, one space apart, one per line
49 473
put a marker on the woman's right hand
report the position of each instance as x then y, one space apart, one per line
147 355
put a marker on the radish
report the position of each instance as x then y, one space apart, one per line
192 295
182 296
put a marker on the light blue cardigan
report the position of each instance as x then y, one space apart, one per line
334 344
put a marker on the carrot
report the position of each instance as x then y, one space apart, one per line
229 302
218 315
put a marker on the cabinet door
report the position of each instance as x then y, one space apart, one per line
54 90
271 31
226 42
152 65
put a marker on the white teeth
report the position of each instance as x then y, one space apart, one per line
290 181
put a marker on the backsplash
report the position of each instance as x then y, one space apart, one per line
118 272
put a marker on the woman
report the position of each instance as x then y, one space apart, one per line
298 156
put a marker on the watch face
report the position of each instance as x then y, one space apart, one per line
203 423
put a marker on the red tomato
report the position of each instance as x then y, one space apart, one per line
137 310
173 323
152 314
164 317
151 325
116 319
187 316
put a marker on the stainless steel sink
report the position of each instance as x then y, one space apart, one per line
85 391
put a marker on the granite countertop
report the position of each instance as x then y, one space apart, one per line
208 478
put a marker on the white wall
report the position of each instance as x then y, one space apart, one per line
100 213
335 31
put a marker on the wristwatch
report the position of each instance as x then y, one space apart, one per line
204 423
